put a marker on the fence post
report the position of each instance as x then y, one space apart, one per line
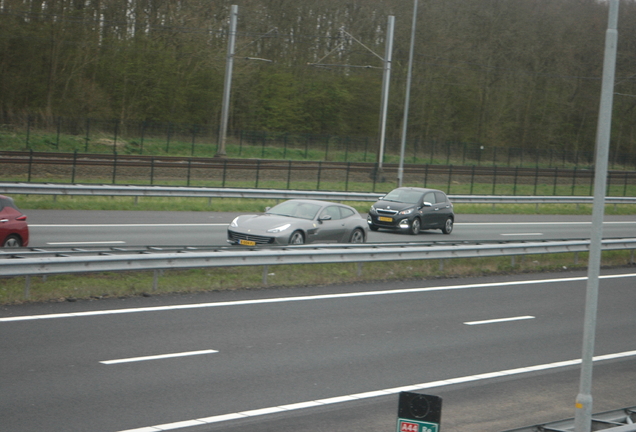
152 170
114 167
194 134
450 174
115 140
556 176
494 179
57 138
224 172
28 134
30 164
289 164
87 138
74 167
189 169
425 174
258 171
574 179
319 172
472 179
536 179
514 188
143 133
349 167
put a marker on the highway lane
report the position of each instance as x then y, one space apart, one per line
112 228
257 350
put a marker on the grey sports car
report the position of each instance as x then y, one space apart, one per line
297 222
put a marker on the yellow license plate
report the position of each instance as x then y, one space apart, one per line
385 219
247 243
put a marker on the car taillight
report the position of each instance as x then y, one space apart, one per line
21 218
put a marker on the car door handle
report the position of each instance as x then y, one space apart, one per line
4 220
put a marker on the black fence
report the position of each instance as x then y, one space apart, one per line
29 166
178 139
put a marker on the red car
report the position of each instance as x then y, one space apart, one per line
14 231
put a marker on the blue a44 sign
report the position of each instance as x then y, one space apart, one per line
416 426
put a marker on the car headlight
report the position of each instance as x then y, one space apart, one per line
279 229
407 211
234 223
373 210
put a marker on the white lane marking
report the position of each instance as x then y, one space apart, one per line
308 298
499 320
371 394
123 225
522 234
86 242
158 357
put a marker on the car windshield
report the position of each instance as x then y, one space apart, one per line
403 196
297 209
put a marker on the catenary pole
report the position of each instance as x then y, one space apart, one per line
225 110
583 405
386 78
407 97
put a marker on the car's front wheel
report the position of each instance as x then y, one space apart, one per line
415 226
12 241
357 236
297 238
448 226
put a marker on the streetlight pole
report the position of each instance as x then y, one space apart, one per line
583 412
228 82
407 98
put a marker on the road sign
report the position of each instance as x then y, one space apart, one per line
419 413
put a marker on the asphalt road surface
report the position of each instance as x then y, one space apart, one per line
57 228
501 352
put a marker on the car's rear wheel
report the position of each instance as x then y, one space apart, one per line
357 236
415 226
12 241
296 238
448 226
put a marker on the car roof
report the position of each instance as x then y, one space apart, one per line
318 202
423 190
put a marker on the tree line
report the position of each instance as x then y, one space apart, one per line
506 73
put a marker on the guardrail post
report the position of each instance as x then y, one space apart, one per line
441 264
512 260
265 270
360 267
27 287
155 280
631 257
576 258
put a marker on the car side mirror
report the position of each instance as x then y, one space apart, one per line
324 218
427 204
267 208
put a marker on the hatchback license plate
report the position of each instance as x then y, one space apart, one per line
247 243
385 219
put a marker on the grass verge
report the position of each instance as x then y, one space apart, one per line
71 287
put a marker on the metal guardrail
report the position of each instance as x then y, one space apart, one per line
620 420
16 263
204 192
